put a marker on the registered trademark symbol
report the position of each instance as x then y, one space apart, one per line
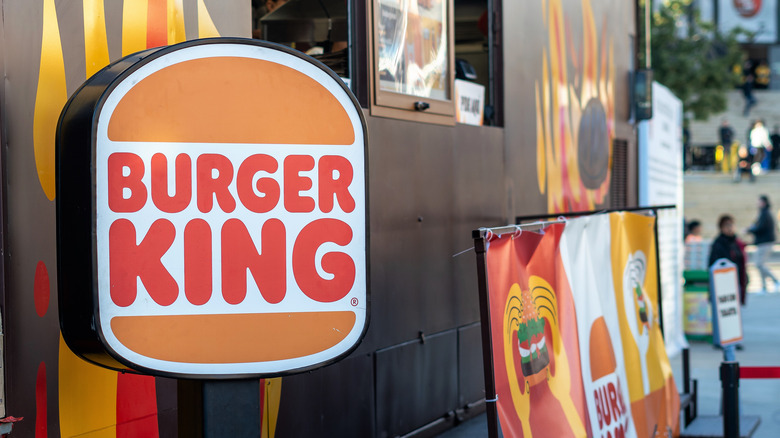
354 302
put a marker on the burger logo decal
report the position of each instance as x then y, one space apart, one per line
637 304
531 339
638 307
526 335
535 355
747 8
223 207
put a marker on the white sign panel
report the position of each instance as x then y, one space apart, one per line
725 292
469 102
661 183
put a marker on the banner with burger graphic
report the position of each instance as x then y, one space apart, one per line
654 400
577 346
536 354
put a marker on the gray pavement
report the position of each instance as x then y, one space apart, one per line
761 329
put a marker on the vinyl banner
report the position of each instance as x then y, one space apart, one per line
585 247
536 354
655 403
575 331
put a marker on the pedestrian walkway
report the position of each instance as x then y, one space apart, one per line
761 348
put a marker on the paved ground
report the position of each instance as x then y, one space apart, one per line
761 347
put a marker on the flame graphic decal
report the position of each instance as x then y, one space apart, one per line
50 98
575 113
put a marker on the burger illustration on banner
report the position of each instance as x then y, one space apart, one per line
612 413
638 308
747 8
527 335
536 360
531 340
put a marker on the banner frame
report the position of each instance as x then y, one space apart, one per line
481 236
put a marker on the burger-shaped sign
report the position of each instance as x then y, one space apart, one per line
211 203
747 8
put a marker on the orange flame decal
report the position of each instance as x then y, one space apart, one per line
157 24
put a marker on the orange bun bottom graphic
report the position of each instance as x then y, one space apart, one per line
237 338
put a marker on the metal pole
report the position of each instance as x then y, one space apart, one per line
729 380
648 11
491 58
658 273
686 359
586 213
219 408
491 400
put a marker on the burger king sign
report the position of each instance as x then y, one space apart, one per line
211 213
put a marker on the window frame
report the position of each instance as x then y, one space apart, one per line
384 103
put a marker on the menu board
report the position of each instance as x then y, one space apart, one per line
412 47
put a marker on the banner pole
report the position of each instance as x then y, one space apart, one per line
658 273
491 399
519 219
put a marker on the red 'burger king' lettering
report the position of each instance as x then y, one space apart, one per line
210 185
267 267
127 192
117 182
268 186
294 183
130 261
338 187
340 265
181 199
197 262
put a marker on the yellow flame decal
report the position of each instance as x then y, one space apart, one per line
176 32
273 394
134 20
95 41
206 27
85 388
51 96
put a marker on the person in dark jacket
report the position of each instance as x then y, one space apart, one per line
763 231
728 246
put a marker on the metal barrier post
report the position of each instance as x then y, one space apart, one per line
729 380
491 399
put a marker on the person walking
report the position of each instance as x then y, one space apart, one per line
759 143
728 246
726 134
774 138
763 231
747 92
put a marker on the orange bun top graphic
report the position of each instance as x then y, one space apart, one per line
197 101
602 356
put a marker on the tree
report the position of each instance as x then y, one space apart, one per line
694 60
